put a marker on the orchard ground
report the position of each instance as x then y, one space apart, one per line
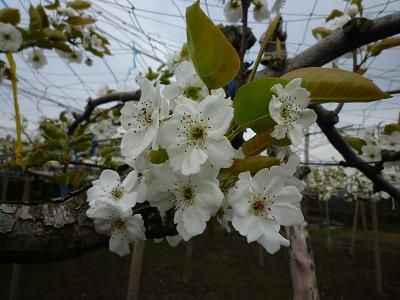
223 267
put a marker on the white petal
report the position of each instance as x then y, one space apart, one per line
184 70
293 85
220 152
119 243
133 144
193 160
296 134
279 132
194 221
130 181
308 117
109 179
287 215
288 195
172 91
135 228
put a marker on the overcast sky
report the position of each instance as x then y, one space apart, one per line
142 29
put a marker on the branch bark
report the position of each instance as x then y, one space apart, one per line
92 104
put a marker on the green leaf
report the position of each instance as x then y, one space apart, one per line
334 14
80 20
53 6
54 34
376 48
251 104
262 141
74 178
335 85
79 4
35 23
321 32
10 15
214 58
355 143
252 164
390 128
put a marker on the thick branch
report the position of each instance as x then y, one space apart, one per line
56 231
92 104
339 43
326 121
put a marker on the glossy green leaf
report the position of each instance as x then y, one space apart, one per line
251 104
10 15
335 85
376 48
54 34
252 164
214 58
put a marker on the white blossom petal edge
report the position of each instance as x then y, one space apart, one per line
141 120
119 224
261 204
196 134
288 109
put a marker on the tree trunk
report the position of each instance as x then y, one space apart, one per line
302 266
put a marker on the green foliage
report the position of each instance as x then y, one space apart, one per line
262 141
10 15
214 58
390 128
334 14
335 85
252 164
251 104
79 4
53 6
321 32
355 142
80 20
376 48
74 178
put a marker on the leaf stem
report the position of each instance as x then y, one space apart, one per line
270 31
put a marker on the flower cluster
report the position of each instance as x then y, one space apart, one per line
176 138
233 10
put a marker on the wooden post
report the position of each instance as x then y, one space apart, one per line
187 271
364 223
377 251
328 226
135 271
302 266
353 234
16 268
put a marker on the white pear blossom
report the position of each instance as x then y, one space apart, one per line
142 120
233 11
352 10
188 84
122 227
196 134
390 142
37 58
371 152
337 22
260 11
10 38
109 188
195 198
288 109
224 215
261 204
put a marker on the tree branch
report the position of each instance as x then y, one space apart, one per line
57 231
92 104
326 121
339 43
